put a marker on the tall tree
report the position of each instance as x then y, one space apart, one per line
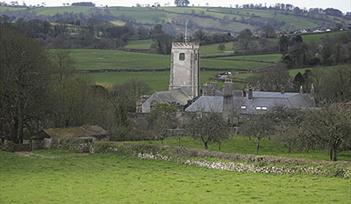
24 78
245 37
276 79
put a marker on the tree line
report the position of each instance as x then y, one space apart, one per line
41 90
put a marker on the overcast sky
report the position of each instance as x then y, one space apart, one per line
344 5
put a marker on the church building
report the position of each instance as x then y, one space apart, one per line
184 78
184 91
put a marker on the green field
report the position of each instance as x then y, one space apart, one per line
139 44
243 145
158 81
315 38
213 49
209 19
96 59
270 58
61 177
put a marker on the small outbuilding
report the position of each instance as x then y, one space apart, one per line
76 138
94 131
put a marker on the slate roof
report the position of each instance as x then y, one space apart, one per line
177 97
260 99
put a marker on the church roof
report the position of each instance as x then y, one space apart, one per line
177 97
261 102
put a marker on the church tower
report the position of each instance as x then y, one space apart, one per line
185 68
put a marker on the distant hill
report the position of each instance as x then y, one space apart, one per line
209 19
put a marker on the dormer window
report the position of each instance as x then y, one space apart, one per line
264 108
243 107
182 56
258 108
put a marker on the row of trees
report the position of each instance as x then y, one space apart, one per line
84 32
326 128
40 91
331 51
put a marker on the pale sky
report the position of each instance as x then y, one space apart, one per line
343 5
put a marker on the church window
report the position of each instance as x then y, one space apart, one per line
182 56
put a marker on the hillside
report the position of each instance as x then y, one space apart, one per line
209 19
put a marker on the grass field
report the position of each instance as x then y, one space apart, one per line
96 59
157 81
270 58
315 38
62 177
139 44
210 19
242 145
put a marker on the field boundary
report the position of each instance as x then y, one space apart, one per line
228 161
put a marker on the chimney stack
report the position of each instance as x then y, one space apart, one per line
228 100
301 89
228 88
250 94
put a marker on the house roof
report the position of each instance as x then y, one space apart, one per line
75 132
177 96
260 99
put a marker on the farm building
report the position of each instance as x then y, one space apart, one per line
75 137
94 131
250 102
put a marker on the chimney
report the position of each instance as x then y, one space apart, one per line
250 94
312 89
244 93
228 100
301 90
228 88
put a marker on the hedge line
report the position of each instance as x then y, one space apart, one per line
228 161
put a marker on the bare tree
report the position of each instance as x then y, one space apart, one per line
161 118
330 126
259 126
208 127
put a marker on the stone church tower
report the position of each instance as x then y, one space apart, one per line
185 68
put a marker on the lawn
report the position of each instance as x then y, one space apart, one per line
242 145
62 177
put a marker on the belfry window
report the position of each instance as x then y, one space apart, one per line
182 56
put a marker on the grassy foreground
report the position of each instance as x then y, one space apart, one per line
61 177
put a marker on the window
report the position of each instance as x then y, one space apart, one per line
258 108
182 56
243 107
264 108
